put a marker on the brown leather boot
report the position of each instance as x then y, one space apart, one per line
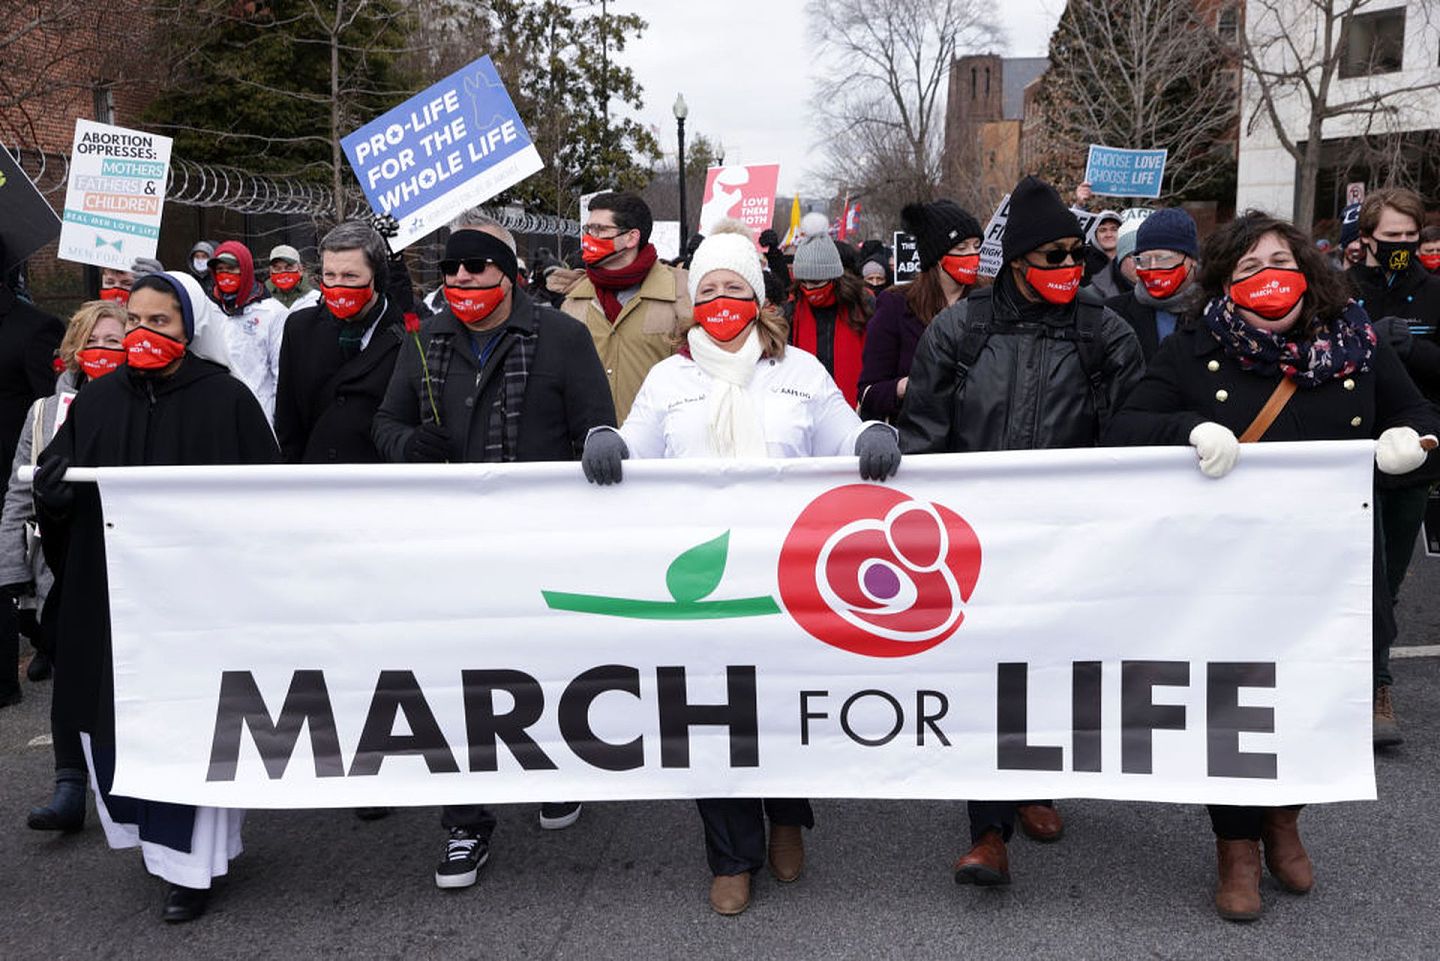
1386 730
1040 822
730 893
987 863
787 851
1238 896
1284 854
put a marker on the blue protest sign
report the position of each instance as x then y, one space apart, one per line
1113 172
453 145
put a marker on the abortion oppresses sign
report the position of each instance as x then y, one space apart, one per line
454 145
744 193
116 195
1113 172
1097 623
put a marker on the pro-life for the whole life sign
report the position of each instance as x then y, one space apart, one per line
116 195
453 145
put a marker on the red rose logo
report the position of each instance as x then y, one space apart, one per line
871 571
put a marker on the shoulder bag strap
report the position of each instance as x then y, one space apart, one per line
1278 399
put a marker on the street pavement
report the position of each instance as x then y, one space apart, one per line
1128 881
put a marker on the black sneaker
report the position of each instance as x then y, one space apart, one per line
465 854
556 815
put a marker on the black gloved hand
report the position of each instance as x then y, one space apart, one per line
604 450
51 491
428 444
879 451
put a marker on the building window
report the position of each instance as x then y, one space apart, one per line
104 104
987 81
1228 24
1374 43
974 82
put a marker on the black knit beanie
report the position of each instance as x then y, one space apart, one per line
1037 216
937 227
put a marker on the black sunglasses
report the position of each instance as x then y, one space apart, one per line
474 265
1057 257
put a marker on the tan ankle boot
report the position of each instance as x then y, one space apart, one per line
730 893
1237 898
1284 854
787 851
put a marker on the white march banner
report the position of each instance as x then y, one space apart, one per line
1085 623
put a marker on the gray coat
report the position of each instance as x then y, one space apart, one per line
18 564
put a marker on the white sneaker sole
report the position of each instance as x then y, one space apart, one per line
560 823
460 880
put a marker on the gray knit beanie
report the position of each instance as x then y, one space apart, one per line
817 258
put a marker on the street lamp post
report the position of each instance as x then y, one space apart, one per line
681 111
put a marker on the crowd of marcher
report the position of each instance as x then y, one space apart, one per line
1137 335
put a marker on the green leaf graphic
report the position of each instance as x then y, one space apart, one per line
697 572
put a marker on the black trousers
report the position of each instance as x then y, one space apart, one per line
9 646
735 829
996 816
475 818
1236 823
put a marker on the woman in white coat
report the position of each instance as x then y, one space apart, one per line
735 389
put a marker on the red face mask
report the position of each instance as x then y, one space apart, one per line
1431 262
1055 285
723 318
116 295
1271 292
227 283
822 296
473 304
99 361
962 268
147 349
595 249
345 302
286 279
1161 282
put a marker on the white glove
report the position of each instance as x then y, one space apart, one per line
1217 447
1400 450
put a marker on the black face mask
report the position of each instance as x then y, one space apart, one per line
1396 256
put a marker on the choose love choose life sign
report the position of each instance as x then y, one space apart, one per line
1078 623
450 147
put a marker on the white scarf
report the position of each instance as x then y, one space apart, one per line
735 429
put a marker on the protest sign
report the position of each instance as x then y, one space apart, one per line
26 221
116 195
746 193
994 234
907 258
1113 172
1068 623
665 235
455 144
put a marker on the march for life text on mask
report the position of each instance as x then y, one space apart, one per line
450 147
116 195
991 258
1076 623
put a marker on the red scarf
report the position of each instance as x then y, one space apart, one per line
849 346
608 283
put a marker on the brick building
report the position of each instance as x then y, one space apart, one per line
984 114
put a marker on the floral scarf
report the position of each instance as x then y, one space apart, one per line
1344 347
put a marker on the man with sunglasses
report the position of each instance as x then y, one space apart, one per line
494 377
631 302
1031 363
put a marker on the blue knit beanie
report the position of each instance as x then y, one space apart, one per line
1168 229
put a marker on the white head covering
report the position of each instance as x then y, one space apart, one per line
729 246
207 338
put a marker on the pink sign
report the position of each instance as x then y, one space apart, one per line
745 193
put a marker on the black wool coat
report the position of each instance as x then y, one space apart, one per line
1192 380
324 404
566 392
28 339
1414 296
198 415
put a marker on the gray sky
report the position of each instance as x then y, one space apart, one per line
747 85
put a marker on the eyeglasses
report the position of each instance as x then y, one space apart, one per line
1054 258
595 230
1157 261
474 265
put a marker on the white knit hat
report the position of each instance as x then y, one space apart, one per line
728 246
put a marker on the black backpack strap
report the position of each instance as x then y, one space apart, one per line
1090 345
978 311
